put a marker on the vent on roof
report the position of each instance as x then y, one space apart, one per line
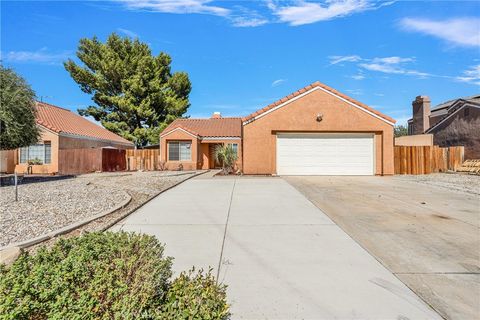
216 115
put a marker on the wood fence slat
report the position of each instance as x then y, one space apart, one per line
427 159
143 159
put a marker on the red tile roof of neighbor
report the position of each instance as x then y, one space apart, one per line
65 121
309 87
213 127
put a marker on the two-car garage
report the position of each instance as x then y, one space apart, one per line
325 154
318 131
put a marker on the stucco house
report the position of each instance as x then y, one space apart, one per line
62 129
313 131
452 123
190 143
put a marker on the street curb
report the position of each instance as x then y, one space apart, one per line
111 224
68 228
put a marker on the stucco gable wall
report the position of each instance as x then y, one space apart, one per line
183 136
300 115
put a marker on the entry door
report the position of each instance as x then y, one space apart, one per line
325 154
214 164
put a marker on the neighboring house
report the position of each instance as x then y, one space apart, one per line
60 130
314 131
452 123
190 143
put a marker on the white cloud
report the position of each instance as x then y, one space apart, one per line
127 32
458 31
303 12
278 82
245 17
39 56
392 65
358 77
339 59
471 75
177 6
248 22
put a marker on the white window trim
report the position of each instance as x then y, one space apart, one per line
179 142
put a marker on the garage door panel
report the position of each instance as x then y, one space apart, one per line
325 154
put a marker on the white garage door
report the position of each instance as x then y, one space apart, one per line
325 154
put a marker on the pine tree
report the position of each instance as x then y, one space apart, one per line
135 93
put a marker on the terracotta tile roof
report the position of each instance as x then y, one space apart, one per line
309 87
213 127
65 121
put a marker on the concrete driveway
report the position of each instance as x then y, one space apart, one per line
427 235
281 257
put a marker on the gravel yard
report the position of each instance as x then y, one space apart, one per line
458 182
47 206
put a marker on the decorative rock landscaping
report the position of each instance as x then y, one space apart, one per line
47 206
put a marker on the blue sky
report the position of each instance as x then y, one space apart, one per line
243 55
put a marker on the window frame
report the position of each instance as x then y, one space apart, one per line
180 143
23 159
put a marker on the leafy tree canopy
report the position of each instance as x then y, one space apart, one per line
135 93
400 131
17 111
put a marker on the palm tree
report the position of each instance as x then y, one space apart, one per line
226 155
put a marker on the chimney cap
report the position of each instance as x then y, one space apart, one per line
422 98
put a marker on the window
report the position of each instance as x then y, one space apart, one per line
43 152
235 148
179 150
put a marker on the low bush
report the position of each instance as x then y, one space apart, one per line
106 276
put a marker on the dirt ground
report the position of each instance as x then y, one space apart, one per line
424 229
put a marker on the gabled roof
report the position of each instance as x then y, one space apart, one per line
213 127
453 109
61 120
310 88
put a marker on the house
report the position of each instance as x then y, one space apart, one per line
190 143
63 130
452 123
313 131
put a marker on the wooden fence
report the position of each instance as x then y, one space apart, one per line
77 161
143 159
427 159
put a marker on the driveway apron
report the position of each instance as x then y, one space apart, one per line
281 257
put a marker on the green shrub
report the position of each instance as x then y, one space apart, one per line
98 276
196 296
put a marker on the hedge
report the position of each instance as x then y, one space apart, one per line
106 275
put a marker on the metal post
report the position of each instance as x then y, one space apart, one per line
16 187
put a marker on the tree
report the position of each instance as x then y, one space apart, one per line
226 155
135 93
18 126
400 131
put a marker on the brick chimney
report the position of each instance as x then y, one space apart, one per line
216 115
421 114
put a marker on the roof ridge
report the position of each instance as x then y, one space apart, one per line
308 88
52 105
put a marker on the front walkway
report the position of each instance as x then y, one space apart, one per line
281 257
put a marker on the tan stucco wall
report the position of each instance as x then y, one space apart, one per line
179 136
45 135
415 140
200 151
259 136
60 142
